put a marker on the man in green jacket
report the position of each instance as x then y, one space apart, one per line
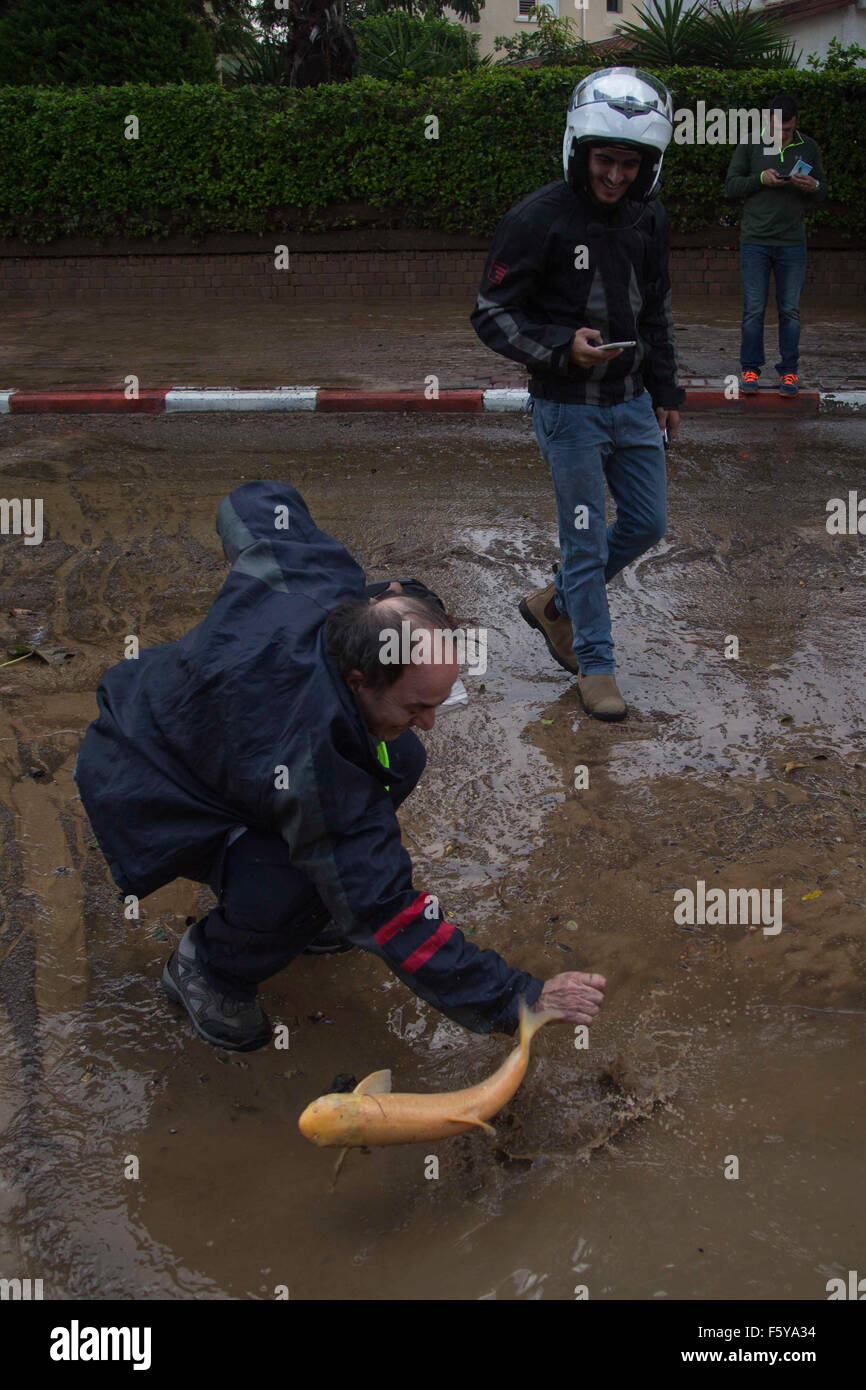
772 235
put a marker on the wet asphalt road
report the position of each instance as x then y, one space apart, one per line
608 1167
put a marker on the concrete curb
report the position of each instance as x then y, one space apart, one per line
702 398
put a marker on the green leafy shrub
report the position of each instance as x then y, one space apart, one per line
552 39
260 159
43 42
398 46
838 58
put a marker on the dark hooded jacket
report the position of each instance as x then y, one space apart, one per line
193 736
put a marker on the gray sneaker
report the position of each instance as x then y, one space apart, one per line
238 1025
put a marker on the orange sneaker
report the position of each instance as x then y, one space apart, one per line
748 382
789 384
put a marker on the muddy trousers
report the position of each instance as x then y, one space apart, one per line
586 446
268 911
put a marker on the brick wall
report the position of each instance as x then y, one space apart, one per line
834 273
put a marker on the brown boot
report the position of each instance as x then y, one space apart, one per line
600 695
557 632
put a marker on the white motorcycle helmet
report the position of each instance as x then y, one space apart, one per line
623 107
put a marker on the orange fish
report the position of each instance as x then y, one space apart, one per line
372 1114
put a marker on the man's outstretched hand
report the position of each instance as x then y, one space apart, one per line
575 997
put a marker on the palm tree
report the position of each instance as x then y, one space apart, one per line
666 35
742 38
674 33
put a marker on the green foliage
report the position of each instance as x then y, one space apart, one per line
227 21
552 39
666 34
838 59
43 42
399 46
741 38
263 159
688 33
261 59
424 9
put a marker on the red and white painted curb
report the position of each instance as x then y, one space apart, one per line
702 396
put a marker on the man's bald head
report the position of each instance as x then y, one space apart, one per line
397 680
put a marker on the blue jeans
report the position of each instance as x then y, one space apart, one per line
789 266
584 445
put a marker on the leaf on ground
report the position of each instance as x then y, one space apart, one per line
53 656
792 767
807 897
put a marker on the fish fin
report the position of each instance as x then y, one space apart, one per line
530 1023
338 1167
374 1084
470 1120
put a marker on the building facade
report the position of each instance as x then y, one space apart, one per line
811 24
593 19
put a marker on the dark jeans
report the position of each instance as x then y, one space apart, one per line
788 264
267 910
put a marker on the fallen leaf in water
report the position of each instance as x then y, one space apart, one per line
53 656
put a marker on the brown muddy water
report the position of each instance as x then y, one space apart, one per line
717 1042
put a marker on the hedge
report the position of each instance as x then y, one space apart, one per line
258 159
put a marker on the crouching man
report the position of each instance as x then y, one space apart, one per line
265 753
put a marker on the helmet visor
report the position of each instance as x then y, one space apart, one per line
628 90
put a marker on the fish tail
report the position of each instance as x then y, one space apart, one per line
530 1023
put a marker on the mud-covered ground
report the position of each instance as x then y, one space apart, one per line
717 1042
365 343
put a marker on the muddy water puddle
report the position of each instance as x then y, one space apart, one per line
717 1041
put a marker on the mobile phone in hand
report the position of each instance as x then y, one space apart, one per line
606 346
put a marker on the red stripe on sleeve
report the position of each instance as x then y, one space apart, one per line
384 934
430 947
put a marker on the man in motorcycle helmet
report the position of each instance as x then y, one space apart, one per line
579 263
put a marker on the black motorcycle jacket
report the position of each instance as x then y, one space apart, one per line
560 261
